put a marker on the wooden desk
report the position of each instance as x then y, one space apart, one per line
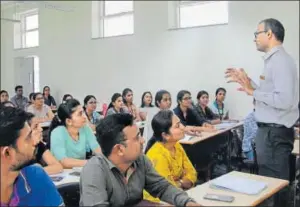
207 135
296 147
274 185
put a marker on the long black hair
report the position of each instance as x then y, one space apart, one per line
181 94
45 89
65 97
161 123
113 99
64 112
124 93
159 95
144 94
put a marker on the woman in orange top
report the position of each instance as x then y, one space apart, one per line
167 155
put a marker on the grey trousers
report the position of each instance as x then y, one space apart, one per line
273 148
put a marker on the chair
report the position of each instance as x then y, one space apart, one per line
70 193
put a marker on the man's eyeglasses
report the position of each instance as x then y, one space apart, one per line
257 33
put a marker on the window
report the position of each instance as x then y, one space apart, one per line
198 13
26 33
112 18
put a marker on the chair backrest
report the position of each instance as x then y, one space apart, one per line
70 193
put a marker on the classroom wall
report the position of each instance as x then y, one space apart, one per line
154 57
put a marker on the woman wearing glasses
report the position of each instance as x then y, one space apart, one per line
188 116
90 105
41 111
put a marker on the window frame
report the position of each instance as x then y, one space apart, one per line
101 18
23 30
177 5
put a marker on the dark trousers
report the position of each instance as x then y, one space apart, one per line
273 148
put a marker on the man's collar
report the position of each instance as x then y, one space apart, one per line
112 165
272 51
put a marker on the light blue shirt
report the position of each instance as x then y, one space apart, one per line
63 146
277 95
250 130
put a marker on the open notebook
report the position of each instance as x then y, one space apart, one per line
238 184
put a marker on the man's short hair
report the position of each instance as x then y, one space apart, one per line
109 131
276 27
18 87
12 121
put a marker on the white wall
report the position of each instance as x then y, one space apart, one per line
154 57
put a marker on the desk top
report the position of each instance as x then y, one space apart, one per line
296 147
67 178
274 185
207 135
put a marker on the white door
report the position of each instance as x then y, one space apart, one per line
24 70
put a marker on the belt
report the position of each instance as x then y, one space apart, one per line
260 124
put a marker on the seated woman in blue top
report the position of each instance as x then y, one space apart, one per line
116 105
218 106
90 105
188 116
70 136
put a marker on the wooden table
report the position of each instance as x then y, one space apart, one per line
207 135
274 185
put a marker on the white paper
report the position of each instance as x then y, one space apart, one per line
238 184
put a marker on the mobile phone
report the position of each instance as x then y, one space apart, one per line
56 178
215 197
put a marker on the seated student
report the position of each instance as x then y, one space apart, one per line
43 155
203 110
66 97
166 153
163 100
125 166
3 96
218 106
90 105
19 100
30 102
49 100
129 105
22 184
116 105
250 130
39 109
188 116
70 137
146 103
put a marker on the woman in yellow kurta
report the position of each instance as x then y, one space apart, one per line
167 155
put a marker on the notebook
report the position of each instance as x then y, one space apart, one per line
238 184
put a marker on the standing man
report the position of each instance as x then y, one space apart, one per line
19 100
277 98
